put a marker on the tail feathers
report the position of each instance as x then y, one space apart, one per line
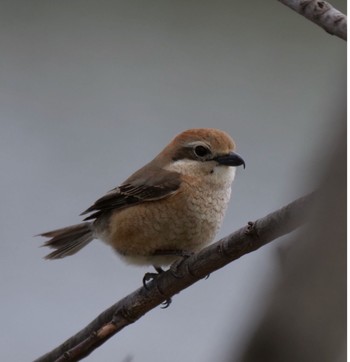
68 240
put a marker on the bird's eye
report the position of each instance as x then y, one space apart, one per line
201 151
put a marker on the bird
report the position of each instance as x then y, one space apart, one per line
170 208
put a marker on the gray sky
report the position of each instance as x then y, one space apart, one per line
92 90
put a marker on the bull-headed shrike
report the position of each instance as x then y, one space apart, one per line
171 207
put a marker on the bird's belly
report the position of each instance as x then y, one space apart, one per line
174 224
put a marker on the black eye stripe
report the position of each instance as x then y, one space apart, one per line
191 153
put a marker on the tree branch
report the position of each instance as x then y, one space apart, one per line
169 283
321 13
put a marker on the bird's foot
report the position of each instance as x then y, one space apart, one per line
174 267
151 276
182 254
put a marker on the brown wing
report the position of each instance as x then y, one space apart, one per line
158 185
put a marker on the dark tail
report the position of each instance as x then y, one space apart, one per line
68 240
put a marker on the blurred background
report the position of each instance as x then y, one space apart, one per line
92 90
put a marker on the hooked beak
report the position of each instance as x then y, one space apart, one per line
230 159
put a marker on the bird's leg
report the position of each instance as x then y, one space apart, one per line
174 267
183 254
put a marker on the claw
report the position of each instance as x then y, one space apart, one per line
166 303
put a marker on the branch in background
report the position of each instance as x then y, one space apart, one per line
167 284
308 300
322 14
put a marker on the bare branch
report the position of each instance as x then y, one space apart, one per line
321 13
196 267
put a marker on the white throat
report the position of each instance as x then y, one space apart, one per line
210 171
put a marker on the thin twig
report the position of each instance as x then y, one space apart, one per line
321 13
192 269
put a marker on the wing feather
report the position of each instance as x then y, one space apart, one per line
136 190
